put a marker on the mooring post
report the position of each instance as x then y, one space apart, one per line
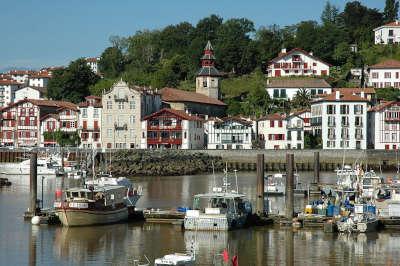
33 183
316 167
289 185
260 185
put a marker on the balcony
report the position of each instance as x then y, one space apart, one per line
89 128
316 121
227 141
359 136
8 116
392 119
162 127
294 126
331 124
121 126
332 136
164 141
121 99
345 124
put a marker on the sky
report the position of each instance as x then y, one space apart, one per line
39 33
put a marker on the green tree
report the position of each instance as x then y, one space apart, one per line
388 94
306 35
111 63
330 14
101 85
72 83
302 99
63 138
269 42
391 11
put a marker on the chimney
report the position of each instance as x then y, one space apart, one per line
283 51
337 95
311 53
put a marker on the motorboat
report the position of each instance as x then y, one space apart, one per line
275 185
361 221
371 185
181 259
45 166
221 209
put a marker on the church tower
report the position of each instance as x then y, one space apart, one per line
208 77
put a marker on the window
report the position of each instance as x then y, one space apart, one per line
344 109
358 109
390 33
84 112
109 132
205 83
109 119
132 119
271 123
289 135
298 135
345 121
375 75
132 104
132 133
331 121
331 133
279 123
388 75
359 134
109 104
95 112
276 93
358 121
345 133
120 105
283 93
330 109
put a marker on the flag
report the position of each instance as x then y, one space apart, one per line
235 261
225 255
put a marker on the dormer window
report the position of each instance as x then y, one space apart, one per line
205 83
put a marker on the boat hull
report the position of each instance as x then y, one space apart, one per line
82 217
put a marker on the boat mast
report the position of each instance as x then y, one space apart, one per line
236 179
93 173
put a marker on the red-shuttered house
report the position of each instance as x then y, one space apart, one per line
21 122
173 129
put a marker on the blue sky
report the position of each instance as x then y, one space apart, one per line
38 33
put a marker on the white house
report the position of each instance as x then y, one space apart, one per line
7 91
305 115
297 62
229 133
384 126
385 74
29 93
295 132
341 120
388 34
39 79
272 131
89 122
281 88
172 129
20 76
92 62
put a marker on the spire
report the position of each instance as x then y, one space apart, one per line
208 46
208 62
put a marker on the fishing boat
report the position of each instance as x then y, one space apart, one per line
221 209
181 259
361 221
371 185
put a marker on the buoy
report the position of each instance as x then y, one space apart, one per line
35 220
58 194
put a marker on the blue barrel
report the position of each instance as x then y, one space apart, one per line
371 209
330 211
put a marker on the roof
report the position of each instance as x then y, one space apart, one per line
175 95
299 112
87 104
383 105
208 71
47 103
93 97
20 72
208 46
275 116
390 63
282 55
179 113
369 90
234 119
91 59
40 89
9 82
297 83
390 24
344 97
55 116
40 75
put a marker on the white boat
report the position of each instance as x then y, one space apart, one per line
275 184
371 185
181 259
221 209
45 166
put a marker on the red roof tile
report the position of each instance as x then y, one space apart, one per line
275 116
234 119
390 63
9 82
48 103
383 105
368 90
344 97
179 113
175 95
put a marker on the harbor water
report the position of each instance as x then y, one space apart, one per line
123 244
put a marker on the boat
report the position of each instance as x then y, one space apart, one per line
45 166
275 185
181 259
221 209
363 220
371 185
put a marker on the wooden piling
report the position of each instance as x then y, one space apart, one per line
33 183
289 186
260 185
316 167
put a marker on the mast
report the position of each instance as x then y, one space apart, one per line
93 173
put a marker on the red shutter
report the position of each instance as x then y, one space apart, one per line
271 123
84 124
96 124
68 125
277 73
386 147
305 65
280 124
324 72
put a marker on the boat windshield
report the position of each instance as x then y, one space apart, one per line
224 204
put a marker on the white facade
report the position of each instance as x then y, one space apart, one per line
7 91
384 126
295 132
385 74
272 131
89 122
92 63
20 76
388 34
290 93
28 93
341 120
38 81
287 88
123 109
229 133
297 63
